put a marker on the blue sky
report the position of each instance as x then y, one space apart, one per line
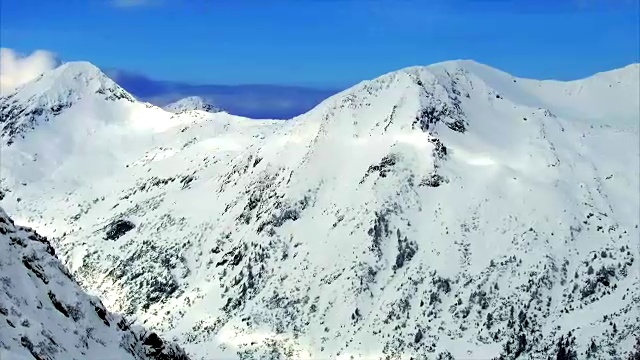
325 42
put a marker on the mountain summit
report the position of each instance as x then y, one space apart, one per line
53 92
73 79
451 211
192 103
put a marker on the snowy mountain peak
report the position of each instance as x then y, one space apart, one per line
52 93
72 79
428 95
192 103
419 97
466 64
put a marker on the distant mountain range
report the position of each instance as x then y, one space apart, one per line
253 101
192 103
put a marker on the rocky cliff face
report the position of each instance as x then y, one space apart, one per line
442 212
46 315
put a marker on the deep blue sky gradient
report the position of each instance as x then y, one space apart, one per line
331 43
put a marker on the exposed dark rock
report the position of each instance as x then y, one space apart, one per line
102 314
379 231
286 211
118 228
153 340
565 348
57 304
431 115
635 353
406 250
37 270
186 181
418 337
433 180
440 151
383 168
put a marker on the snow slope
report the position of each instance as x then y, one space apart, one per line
46 315
434 212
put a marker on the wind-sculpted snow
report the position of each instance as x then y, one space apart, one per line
46 315
441 212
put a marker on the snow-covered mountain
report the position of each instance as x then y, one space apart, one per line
192 103
46 315
51 94
447 211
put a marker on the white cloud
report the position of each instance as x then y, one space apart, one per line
17 69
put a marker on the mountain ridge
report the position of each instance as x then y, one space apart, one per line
422 214
535 96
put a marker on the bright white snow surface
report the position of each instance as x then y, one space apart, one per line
448 210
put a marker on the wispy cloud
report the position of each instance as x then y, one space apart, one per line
17 69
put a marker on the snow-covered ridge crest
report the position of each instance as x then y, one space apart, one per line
439 87
588 100
45 314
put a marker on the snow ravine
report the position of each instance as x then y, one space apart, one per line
443 212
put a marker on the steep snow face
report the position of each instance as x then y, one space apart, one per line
45 313
442 211
192 103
